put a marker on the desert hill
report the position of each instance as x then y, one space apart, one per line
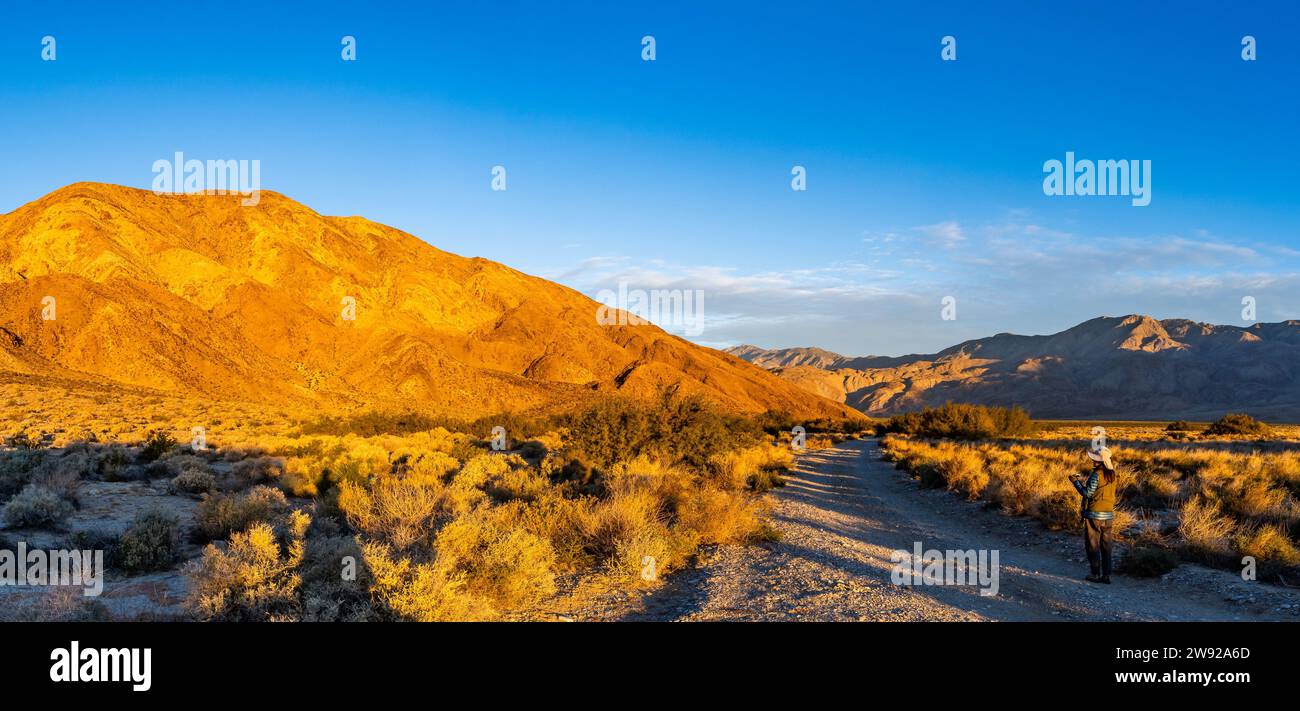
201 296
1120 367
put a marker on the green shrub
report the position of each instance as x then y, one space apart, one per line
255 578
961 421
36 507
17 468
1148 560
95 540
153 542
1059 510
220 515
193 481
156 444
764 480
375 423
1238 423
22 440
677 429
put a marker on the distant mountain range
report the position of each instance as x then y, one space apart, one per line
1116 367
201 296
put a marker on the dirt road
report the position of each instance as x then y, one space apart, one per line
844 513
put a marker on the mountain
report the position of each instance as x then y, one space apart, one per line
201 296
1119 367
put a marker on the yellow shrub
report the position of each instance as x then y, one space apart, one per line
398 512
500 560
1205 528
1268 544
252 580
422 592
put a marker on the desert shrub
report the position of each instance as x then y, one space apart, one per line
721 517
1179 426
36 507
399 512
422 592
23 440
1153 486
633 521
92 539
1059 510
255 578
152 542
516 483
1145 559
257 470
113 464
1236 423
961 421
1269 545
518 427
764 480
426 467
156 443
17 467
758 467
60 604
326 595
678 429
963 471
374 423
1205 529
220 515
193 481
561 521
1228 502
499 560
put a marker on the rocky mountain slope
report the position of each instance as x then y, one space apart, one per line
1120 367
202 296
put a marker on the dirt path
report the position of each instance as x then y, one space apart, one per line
845 511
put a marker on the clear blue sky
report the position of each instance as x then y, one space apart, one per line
924 176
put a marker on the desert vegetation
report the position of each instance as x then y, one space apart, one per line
1183 502
379 516
961 421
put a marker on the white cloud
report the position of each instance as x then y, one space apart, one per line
1014 275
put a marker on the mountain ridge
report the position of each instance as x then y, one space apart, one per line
200 295
1127 366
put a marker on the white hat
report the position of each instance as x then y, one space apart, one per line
1101 455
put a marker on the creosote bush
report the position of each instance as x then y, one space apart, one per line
156 444
1237 424
255 578
961 421
36 507
153 542
193 481
219 515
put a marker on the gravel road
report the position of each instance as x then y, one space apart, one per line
845 512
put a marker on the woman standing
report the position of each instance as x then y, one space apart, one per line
1098 510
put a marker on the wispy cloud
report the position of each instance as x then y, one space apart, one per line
1012 275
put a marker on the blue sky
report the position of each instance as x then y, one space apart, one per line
924 176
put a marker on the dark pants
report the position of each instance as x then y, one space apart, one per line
1096 541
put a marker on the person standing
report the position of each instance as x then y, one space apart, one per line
1098 511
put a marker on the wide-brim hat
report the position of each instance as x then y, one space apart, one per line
1101 455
